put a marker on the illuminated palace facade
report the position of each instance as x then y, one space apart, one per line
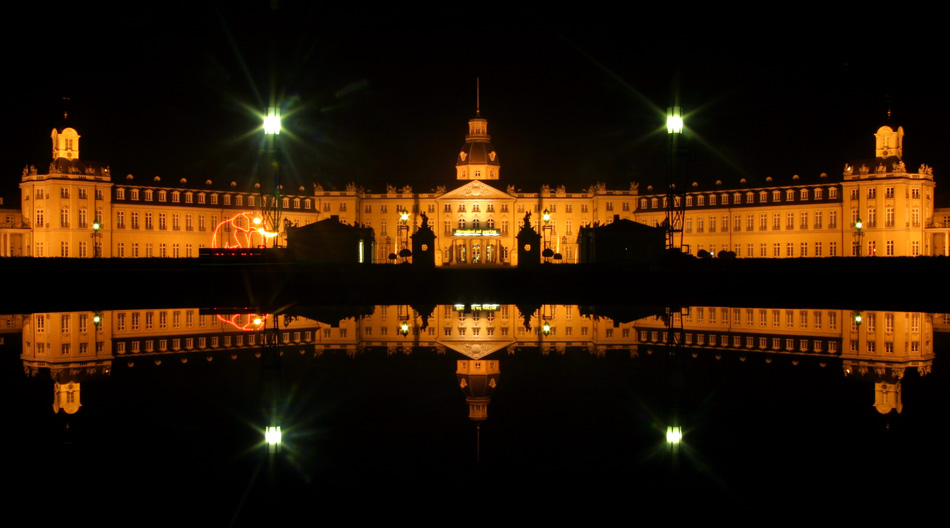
477 222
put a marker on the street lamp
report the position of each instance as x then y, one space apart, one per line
675 209
272 121
96 239
674 120
858 225
546 229
403 228
270 171
273 437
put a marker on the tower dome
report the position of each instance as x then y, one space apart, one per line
477 160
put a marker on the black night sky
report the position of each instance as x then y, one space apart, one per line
382 95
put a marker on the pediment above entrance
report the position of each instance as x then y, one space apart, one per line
476 190
475 349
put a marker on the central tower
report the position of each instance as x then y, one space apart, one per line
477 160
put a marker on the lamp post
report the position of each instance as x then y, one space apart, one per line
858 225
96 239
270 172
403 228
547 253
675 205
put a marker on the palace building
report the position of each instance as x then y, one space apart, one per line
77 208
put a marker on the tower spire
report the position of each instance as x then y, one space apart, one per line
65 109
478 98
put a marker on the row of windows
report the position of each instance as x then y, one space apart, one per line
762 317
888 193
807 249
805 220
66 348
64 192
869 321
871 347
146 220
702 200
65 218
778 249
911 217
84 319
149 319
787 344
239 200
204 342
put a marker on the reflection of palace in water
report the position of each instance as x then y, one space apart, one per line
877 346
77 209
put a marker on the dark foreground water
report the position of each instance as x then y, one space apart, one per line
381 436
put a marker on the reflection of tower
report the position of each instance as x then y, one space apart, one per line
887 397
74 346
66 396
478 379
